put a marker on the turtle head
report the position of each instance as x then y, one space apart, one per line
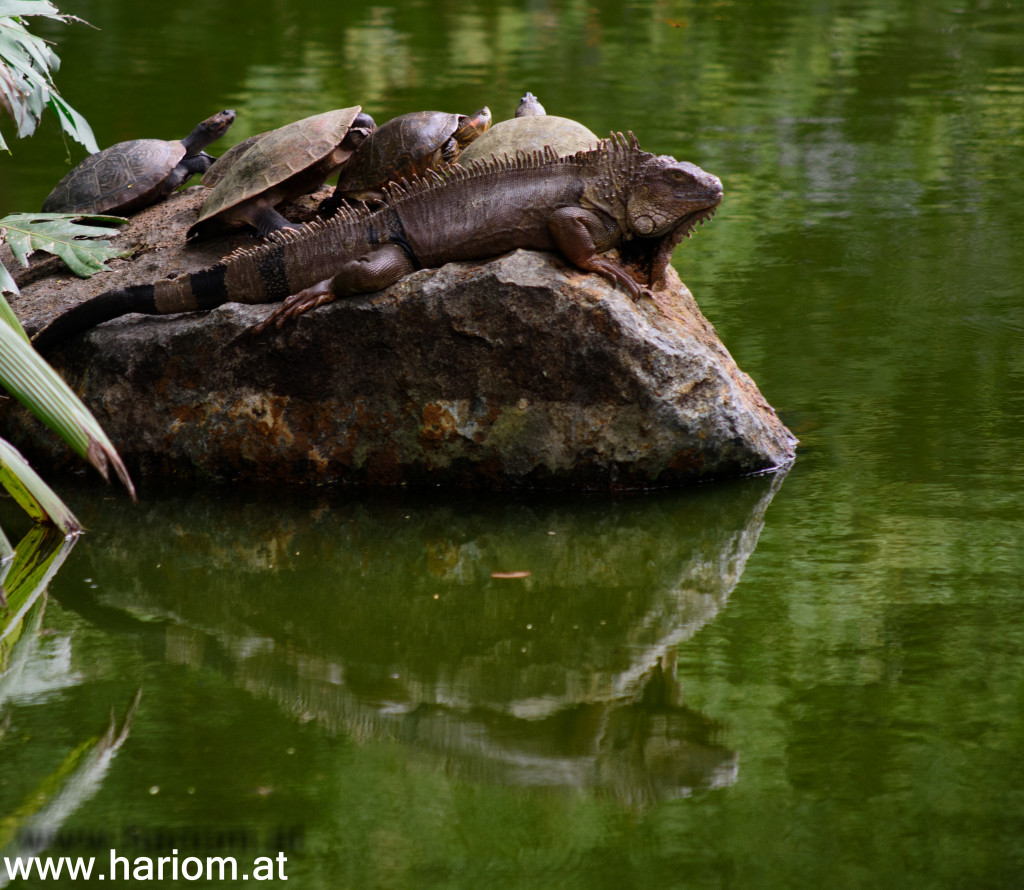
671 194
529 106
363 121
210 130
470 126
358 130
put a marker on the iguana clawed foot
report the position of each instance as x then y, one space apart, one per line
618 274
317 295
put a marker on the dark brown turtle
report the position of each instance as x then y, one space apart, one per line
405 146
279 166
529 131
132 175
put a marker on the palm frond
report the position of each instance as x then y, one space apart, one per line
26 376
32 494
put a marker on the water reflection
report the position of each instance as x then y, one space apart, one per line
385 622
31 672
33 827
25 673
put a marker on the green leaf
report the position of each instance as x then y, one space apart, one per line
76 126
7 284
33 495
27 64
15 91
27 377
7 314
26 51
28 59
30 7
6 550
57 233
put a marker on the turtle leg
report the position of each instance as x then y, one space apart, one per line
371 272
187 168
266 220
450 150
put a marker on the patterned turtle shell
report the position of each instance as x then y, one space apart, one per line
529 134
278 156
131 175
409 145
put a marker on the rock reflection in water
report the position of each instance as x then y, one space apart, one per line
383 622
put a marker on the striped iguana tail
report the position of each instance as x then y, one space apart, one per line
286 263
205 289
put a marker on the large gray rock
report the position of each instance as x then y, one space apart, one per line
521 371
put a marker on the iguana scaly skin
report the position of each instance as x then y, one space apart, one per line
581 205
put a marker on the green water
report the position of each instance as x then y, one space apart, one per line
801 682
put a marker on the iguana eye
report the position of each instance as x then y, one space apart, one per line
678 176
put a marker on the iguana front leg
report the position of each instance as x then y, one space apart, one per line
371 272
582 236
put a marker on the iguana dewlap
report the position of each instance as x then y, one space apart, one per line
583 205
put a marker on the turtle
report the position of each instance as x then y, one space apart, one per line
278 166
531 130
131 175
405 146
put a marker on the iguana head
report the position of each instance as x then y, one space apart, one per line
669 194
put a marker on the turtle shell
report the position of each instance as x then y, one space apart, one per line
117 179
219 168
280 155
530 134
402 147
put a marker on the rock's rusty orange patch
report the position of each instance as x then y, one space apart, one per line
437 424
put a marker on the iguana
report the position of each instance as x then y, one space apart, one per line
581 205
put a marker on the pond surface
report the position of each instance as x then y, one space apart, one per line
814 680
